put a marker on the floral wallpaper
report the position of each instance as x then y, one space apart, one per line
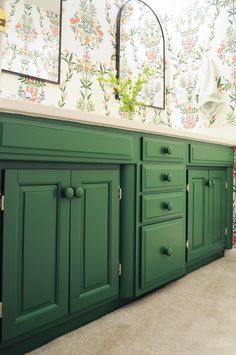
142 45
31 44
193 29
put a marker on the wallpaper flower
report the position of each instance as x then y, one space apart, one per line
193 29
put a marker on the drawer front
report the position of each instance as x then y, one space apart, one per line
163 251
67 141
162 177
162 205
205 154
156 149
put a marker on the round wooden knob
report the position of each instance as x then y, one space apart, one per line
169 177
79 192
69 192
169 206
169 149
210 183
168 251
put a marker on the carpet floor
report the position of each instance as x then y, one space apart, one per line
195 315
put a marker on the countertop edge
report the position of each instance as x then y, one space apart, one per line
45 111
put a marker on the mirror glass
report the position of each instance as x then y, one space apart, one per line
32 39
140 43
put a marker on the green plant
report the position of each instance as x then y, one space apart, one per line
128 89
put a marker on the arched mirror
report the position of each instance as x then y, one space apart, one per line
32 40
140 44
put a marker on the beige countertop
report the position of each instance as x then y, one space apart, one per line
223 135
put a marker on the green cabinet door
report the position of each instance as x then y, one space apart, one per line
35 249
94 238
217 208
197 214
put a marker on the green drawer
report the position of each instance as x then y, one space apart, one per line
37 138
162 205
162 253
205 154
162 177
162 149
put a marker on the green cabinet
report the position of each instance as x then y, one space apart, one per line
71 250
206 212
60 244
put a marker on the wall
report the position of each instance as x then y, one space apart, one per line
193 29
31 44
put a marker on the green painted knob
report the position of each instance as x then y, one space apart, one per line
79 192
210 183
213 183
168 251
169 206
169 177
69 192
169 149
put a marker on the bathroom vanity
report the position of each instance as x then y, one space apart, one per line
93 217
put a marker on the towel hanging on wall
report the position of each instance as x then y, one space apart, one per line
207 93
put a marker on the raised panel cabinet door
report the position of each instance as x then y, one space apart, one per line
35 250
198 239
162 252
94 238
217 209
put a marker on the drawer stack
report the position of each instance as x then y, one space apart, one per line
162 217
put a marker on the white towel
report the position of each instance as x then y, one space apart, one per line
207 93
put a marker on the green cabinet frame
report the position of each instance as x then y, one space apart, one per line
76 241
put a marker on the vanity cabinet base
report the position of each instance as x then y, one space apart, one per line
38 338
196 264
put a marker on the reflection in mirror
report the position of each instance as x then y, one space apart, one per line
140 43
32 41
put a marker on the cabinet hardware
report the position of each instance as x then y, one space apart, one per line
168 251
0 309
226 231
119 269
210 183
79 192
187 244
169 206
2 200
168 150
168 177
119 193
69 193
226 185
3 18
187 188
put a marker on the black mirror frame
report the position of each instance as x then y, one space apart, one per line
59 60
118 48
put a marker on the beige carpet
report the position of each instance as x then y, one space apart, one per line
195 315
